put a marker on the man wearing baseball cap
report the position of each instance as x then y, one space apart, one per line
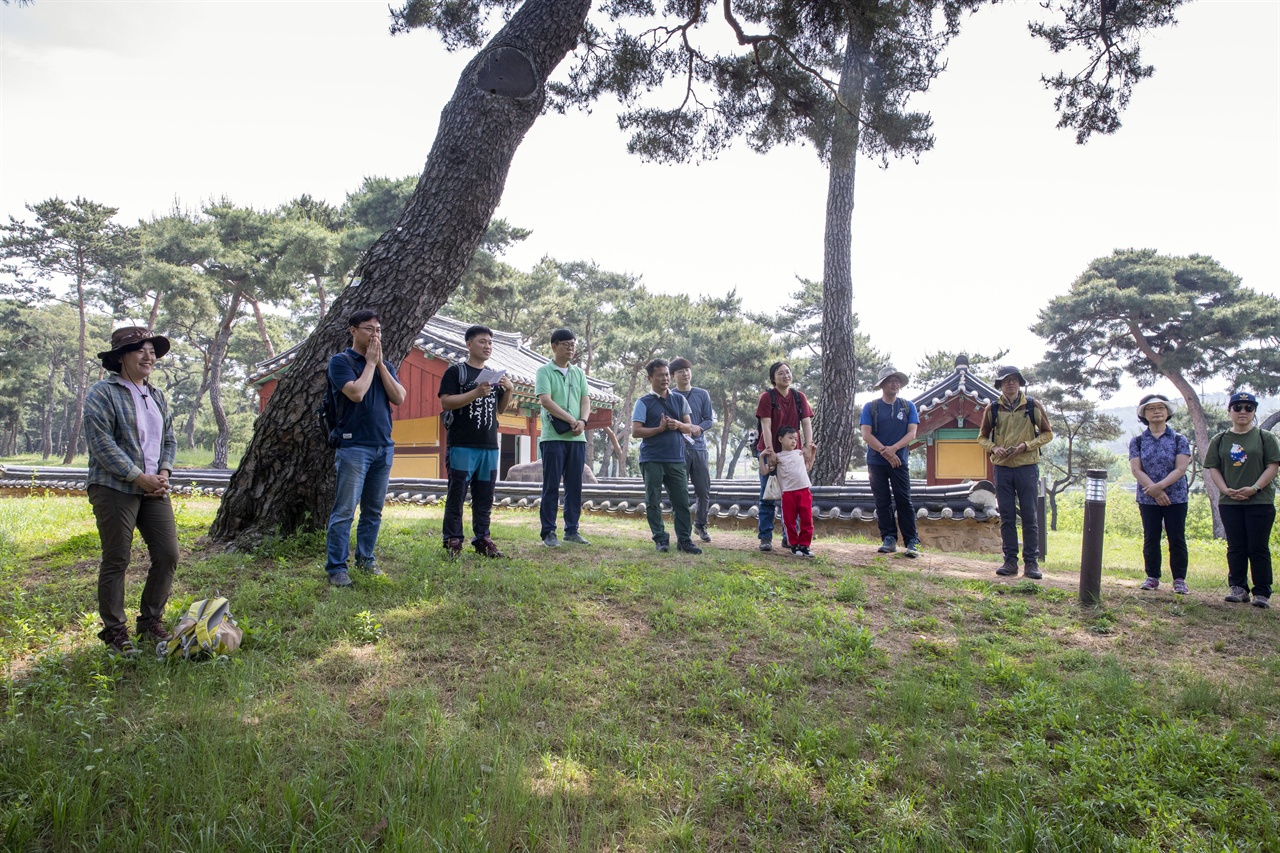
1242 462
1013 430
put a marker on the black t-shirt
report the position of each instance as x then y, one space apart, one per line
474 425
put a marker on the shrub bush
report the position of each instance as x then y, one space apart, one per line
1123 518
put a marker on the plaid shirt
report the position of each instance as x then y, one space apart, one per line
111 431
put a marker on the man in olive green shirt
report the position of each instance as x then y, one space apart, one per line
1014 428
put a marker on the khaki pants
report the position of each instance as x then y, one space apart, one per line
118 515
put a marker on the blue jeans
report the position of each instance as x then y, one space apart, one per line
362 478
767 510
561 460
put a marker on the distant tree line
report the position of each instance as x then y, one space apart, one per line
232 285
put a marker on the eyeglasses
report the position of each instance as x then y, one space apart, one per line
1243 407
373 330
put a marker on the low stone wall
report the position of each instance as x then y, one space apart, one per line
950 519
945 535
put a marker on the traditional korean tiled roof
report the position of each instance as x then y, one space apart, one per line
444 338
960 383
852 501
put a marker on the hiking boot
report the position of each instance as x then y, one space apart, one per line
369 567
913 548
662 547
576 538
1180 587
1032 570
486 547
1238 595
340 579
153 630
1261 601
702 534
453 547
118 642
1154 583
688 547
1009 569
550 540
766 544
888 546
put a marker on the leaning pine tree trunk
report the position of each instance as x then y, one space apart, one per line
837 434
285 481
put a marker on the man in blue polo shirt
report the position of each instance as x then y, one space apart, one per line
888 428
661 421
367 388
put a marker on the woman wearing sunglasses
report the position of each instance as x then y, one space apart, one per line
1242 463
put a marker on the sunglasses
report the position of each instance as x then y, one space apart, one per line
1243 407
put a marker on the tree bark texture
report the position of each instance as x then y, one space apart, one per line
836 432
46 410
222 443
190 429
285 481
73 437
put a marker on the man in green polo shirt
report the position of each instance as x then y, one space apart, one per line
566 404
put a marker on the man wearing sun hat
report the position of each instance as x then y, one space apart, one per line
129 430
1013 430
888 427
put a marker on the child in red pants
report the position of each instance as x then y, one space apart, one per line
793 467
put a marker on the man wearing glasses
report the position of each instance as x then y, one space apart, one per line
562 390
367 388
1242 462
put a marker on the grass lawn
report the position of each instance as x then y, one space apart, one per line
200 457
612 698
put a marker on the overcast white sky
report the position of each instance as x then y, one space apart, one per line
136 104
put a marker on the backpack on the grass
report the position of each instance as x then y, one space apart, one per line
207 631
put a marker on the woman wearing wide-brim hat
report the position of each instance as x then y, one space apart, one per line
1158 458
1242 462
129 429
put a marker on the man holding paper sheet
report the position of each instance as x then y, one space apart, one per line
472 396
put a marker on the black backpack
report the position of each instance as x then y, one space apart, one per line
994 408
464 379
875 413
776 403
335 409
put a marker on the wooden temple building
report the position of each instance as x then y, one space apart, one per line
416 428
950 415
